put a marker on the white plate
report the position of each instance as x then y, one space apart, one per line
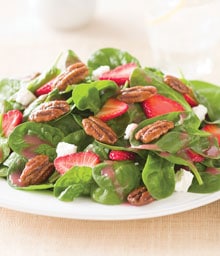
45 204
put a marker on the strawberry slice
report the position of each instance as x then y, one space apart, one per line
10 120
66 162
120 155
120 74
193 156
158 105
190 99
112 109
44 89
214 130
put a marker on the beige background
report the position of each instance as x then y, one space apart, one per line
26 46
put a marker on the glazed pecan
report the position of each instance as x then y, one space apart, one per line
99 130
48 111
37 170
154 130
140 196
74 74
176 84
136 93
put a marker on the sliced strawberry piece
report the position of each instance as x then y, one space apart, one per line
159 105
190 99
214 130
65 163
44 89
112 109
10 120
193 156
120 155
120 74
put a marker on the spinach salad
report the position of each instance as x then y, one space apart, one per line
93 149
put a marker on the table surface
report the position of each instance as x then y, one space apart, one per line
26 46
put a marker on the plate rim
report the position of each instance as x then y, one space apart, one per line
19 204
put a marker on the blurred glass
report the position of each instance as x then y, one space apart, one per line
64 14
184 35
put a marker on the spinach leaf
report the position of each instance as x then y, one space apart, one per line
92 96
43 78
4 149
73 183
211 183
111 57
66 124
118 178
119 124
85 97
8 87
105 196
78 138
30 138
158 176
208 94
3 171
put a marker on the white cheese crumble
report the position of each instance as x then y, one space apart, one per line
64 148
24 96
99 71
200 111
183 180
129 129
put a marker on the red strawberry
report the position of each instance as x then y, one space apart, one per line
214 130
158 105
64 163
120 74
112 109
120 155
44 89
10 120
193 156
190 99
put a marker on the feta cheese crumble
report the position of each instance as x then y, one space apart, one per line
64 148
99 71
129 129
24 96
183 180
200 111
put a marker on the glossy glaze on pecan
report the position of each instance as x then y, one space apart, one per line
136 93
140 196
176 84
99 130
74 74
48 111
154 131
37 170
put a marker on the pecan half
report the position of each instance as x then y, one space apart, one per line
99 130
136 93
74 74
37 170
48 111
140 196
154 130
176 84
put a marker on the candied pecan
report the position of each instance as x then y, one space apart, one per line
136 93
99 130
140 196
37 170
154 130
48 111
176 84
74 74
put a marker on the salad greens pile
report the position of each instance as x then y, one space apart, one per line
109 181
